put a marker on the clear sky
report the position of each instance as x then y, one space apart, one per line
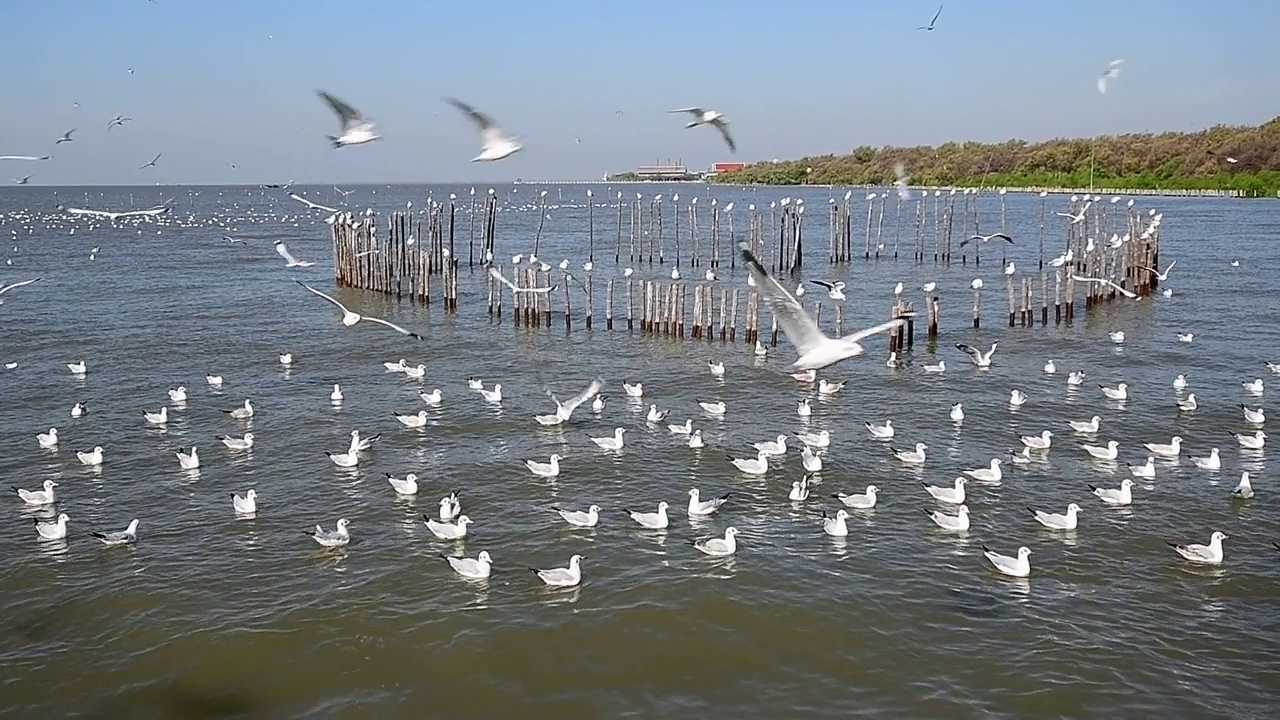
217 83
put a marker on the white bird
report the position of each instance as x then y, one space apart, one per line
406 486
835 290
178 395
122 537
241 413
695 439
188 460
448 531
353 128
1253 387
929 287
803 408
1173 449
799 490
1038 442
716 368
494 395
911 457
1145 471
1274 368
814 348
880 432
347 459
1110 452
635 391
1050 368
477 569
699 507
1022 457
332 538
246 505
597 404
651 520
761 350
286 359
1104 281
1019 566
417 372
56 530
1111 496
413 421
835 526
820 439
92 458
957 412
1075 377
1085 426
450 507
1186 337
562 577
1111 72
610 442
579 518
900 182
712 408
719 547
1119 392
1017 398
1180 382
157 418
38 497
958 522
978 357
79 409
349 318
1210 554
1243 489
77 368
1189 404
289 260
991 473
772 447
551 468
1213 462
313 205
1257 417
984 239
336 396
655 415
757 465
49 439
930 26
685 429
860 501
1251 442
1055 521
213 380
1117 336
811 461
709 117
235 443
494 143
954 495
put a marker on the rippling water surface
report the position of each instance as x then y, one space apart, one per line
210 615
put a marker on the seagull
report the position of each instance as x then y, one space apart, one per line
1123 496
799 490
635 391
1117 336
495 273
1119 392
1161 276
178 395
1050 368
93 458
26 157
118 121
716 368
929 27
1145 471
1076 377
758 465
900 181
685 429
1244 489
1110 73
49 439
152 163
979 358
803 408
826 387
551 468
959 521
1253 387
704 117
353 128
1077 218
911 457
859 501
1104 281
1015 567
247 505
987 474
651 521
1017 398
450 508
655 415
695 440
719 547
213 380
1251 442
712 408
1180 383
332 538
562 577
1038 442
413 421
448 531
241 413
431 398
1213 462
954 495
1210 554
1110 452
77 368
292 262
1054 521
820 439
78 409
235 443
579 518
157 418
188 461
772 447
66 137
6 288
1173 449
38 497
597 404
1257 417
984 239
347 459
123 537
406 486
880 432
811 461
835 526
56 530
1085 426
350 318
477 569
494 143
336 396
835 290
613 442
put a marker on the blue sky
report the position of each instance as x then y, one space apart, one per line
223 82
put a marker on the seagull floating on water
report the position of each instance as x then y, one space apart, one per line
246 505
859 501
1019 566
930 26
1243 489
56 530
1111 72
477 569
958 522
1110 496
1210 554
38 497
835 290
562 577
332 538
127 536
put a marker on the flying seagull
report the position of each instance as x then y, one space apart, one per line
1104 281
984 239
66 137
290 260
494 143
815 349
349 318
354 128
6 288
152 212
1111 73
24 181
152 163
929 27
25 157
901 178
310 204
500 277
118 121
711 117
1162 276
1076 218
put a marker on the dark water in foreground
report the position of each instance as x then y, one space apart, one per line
214 616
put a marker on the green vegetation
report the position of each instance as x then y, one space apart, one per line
1171 160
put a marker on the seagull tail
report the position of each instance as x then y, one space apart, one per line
98 535
1092 488
1171 544
334 141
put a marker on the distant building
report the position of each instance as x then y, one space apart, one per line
724 167
665 171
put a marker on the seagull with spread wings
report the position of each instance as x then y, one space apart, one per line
709 117
932 22
984 239
815 349
494 143
290 260
1104 281
350 318
353 129
152 163
6 288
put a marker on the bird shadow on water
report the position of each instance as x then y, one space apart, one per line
180 700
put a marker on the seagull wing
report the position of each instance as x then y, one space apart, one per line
482 121
582 397
310 204
391 325
723 127
6 288
799 328
970 351
824 284
347 115
82 211
1002 236
494 272
855 337
691 110
285 252
936 16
